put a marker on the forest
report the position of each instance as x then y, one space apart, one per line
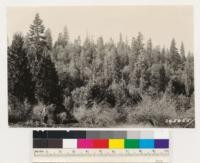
97 83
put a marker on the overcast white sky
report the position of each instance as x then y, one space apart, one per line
161 23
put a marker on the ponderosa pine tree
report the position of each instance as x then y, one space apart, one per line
182 54
65 36
144 73
149 52
108 62
158 79
145 62
116 72
73 59
88 56
163 56
137 48
98 59
59 41
122 51
175 58
137 58
49 39
189 75
100 48
88 52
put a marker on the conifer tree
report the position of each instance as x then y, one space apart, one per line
117 74
49 40
35 43
189 75
122 50
47 89
183 57
19 77
175 59
158 79
36 32
46 81
138 56
149 52
182 52
65 36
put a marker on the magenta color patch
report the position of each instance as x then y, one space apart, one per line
85 143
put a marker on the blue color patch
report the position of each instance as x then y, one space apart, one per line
146 143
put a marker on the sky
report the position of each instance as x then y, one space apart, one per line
160 23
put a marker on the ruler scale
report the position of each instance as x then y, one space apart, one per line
100 146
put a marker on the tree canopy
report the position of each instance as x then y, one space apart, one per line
72 74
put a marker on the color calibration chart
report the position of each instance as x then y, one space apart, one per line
91 146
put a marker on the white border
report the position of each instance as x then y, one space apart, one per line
179 135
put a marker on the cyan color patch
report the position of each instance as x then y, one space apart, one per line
146 143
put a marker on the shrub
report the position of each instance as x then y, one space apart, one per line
154 112
96 116
175 86
120 94
109 98
16 116
182 103
79 96
93 93
134 95
49 117
38 112
96 93
68 103
79 112
44 113
123 113
62 118
125 95
31 123
190 113
19 111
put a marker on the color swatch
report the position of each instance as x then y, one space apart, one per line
116 143
100 139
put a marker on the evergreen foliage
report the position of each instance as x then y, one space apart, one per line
114 79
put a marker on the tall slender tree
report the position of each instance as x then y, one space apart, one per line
137 57
49 39
175 58
46 81
182 53
149 52
36 32
189 75
65 36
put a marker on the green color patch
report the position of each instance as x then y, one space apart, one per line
131 143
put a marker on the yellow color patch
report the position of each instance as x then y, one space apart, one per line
116 143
